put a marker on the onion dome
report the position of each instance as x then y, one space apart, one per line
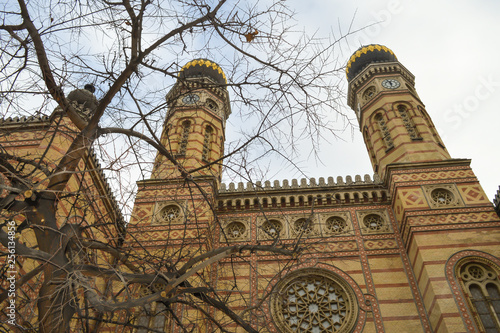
203 68
366 55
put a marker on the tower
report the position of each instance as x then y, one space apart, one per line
395 125
448 226
174 210
198 106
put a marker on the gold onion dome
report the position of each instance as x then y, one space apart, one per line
366 55
203 68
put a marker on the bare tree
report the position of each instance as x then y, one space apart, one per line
75 270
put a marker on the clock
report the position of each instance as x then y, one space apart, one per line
391 84
190 99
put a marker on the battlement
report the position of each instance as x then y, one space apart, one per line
302 194
295 184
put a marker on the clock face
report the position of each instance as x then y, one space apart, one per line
190 99
391 84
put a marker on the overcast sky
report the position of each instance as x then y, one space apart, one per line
452 49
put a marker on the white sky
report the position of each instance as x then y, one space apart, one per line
452 49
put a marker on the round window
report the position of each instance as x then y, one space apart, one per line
170 213
272 228
373 222
442 197
235 230
303 225
336 225
314 300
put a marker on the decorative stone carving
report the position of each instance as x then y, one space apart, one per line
236 230
374 221
304 225
314 300
441 196
333 224
169 212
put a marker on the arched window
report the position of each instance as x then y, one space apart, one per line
384 130
212 105
186 126
480 282
207 143
408 122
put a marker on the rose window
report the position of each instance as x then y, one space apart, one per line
170 213
476 272
303 226
373 222
235 230
336 225
272 228
442 197
314 301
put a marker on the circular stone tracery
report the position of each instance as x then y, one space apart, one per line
314 300
170 213
235 230
373 222
442 197
272 228
303 225
336 225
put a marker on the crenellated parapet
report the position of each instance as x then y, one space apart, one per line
303 183
302 193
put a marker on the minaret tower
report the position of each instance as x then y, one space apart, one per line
444 219
198 106
173 215
193 135
176 205
395 126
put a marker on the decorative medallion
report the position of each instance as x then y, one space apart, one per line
336 225
272 228
168 213
235 231
442 196
374 221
